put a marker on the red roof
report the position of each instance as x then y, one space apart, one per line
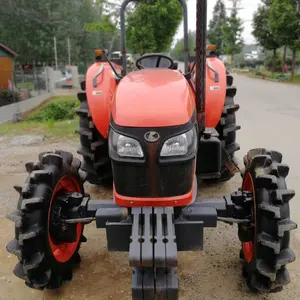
9 51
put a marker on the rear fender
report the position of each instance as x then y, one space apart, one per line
100 89
215 91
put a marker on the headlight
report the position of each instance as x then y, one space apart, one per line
124 146
181 145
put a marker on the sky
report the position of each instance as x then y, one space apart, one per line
249 7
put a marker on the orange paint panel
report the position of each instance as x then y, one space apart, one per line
6 64
153 98
100 97
6 72
182 200
215 92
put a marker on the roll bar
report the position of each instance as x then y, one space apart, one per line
185 29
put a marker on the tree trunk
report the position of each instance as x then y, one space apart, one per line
293 64
230 60
274 60
284 55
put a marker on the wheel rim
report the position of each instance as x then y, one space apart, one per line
248 247
63 252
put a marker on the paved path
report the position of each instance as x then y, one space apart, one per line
270 117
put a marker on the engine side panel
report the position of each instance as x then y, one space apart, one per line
100 89
215 91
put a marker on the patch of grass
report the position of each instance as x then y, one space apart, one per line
26 85
59 109
56 119
297 79
276 76
51 129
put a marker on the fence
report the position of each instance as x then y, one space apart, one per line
21 91
22 85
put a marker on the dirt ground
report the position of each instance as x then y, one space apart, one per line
214 273
269 116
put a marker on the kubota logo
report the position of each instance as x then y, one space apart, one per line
152 136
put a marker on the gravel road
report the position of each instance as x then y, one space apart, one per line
269 116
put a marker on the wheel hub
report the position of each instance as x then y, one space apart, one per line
247 233
64 238
59 231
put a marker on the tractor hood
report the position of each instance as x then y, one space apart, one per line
153 98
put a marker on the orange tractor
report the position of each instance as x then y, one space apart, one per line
152 133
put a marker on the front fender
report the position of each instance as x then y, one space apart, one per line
100 89
215 91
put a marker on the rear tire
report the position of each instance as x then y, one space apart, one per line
265 243
94 147
226 129
45 260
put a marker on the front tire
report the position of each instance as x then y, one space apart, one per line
46 259
265 243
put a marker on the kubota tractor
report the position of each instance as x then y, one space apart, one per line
153 132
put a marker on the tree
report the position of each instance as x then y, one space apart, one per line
178 50
28 27
262 32
215 33
153 24
112 8
284 22
232 34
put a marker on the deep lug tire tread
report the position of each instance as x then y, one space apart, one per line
94 147
37 266
267 273
227 129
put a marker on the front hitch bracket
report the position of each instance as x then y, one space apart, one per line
154 235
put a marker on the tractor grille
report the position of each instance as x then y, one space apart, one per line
153 177
143 180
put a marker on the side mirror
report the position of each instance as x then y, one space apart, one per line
175 66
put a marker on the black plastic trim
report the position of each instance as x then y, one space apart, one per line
165 133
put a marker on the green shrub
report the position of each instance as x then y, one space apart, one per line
9 97
55 111
242 65
269 62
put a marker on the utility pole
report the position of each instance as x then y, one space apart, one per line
55 53
69 51
235 6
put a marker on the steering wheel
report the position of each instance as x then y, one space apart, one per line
158 56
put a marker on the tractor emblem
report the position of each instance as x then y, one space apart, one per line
152 136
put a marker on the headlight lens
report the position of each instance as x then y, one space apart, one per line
124 146
181 145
